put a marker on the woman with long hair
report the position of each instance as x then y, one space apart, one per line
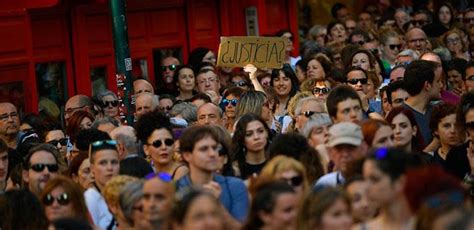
230 100
406 134
286 85
250 141
377 133
78 121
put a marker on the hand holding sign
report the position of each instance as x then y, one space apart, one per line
263 52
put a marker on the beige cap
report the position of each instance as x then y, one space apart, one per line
345 133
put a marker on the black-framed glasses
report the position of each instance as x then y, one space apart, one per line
40 167
324 90
232 102
170 67
106 104
419 22
294 181
393 46
240 83
354 81
62 199
62 141
163 176
421 40
158 143
308 113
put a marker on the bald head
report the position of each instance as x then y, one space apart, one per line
209 114
9 121
417 40
76 103
142 85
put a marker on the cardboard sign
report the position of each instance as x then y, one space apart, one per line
263 52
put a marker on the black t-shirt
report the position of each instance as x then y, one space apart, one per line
250 169
457 162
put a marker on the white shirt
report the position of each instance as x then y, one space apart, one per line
97 208
330 180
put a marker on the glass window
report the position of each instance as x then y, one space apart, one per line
13 92
52 88
98 79
140 69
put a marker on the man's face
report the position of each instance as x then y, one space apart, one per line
397 74
437 85
140 86
308 108
468 19
205 157
208 114
469 80
208 82
419 20
73 105
157 200
342 154
416 40
343 14
350 25
166 104
168 67
365 21
3 169
9 120
399 97
144 104
348 110
43 167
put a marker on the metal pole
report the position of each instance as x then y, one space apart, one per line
123 61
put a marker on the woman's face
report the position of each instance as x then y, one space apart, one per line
383 137
337 217
210 57
110 106
444 15
282 85
447 131
315 70
380 187
338 33
266 111
392 48
455 79
162 154
232 102
57 136
361 60
84 177
403 130
56 210
203 214
360 204
454 43
265 81
321 90
319 135
86 123
358 77
186 80
370 89
300 73
294 179
256 136
284 212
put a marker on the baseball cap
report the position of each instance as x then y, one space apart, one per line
345 133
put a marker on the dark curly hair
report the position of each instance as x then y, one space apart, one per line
439 112
150 122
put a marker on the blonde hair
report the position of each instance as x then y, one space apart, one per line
294 101
112 189
280 164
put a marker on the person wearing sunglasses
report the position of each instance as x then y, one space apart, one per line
104 159
453 40
289 170
391 45
305 108
229 105
109 103
155 132
55 136
62 198
41 165
166 84
200 148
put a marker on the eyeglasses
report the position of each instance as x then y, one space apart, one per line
62 141
240 83
419 22
232 102
393 46
452 40
354 81
5 116
294 181
324 90
40 167
165 177
158 143
170 67
62 199
109 103
308 113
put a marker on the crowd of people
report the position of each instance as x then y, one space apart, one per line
370 127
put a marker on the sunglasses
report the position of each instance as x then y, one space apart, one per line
158 143
418 22
308 113
324 90
468 20
362 81
62 199
165 177
106 104
393 46
62 141
294 181
240 83
233 102
97 144
170 67
40 167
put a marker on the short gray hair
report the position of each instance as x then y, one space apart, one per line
187 110
303 101
125 135
105 120
104 93
315 121
130 194
409 53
